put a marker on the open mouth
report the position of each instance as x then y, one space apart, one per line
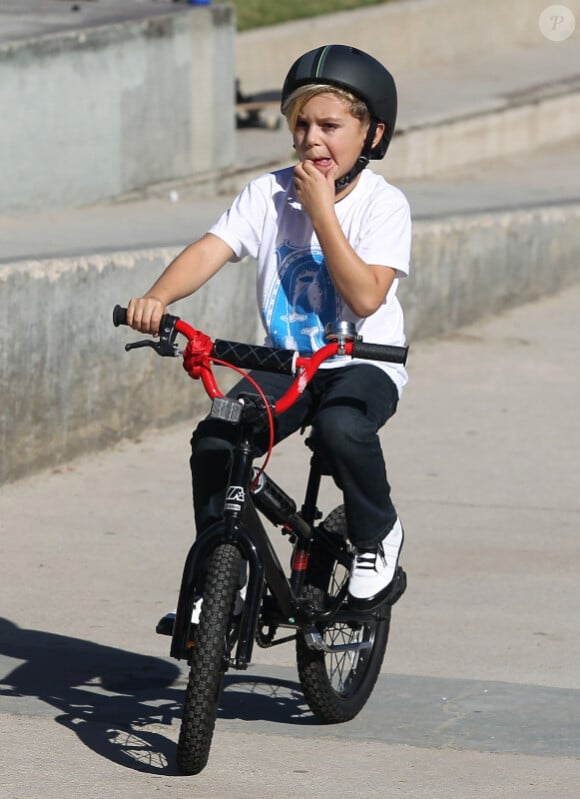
322 163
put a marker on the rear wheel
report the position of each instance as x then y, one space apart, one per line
209 659
338 684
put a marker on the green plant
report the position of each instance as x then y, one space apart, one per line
258 13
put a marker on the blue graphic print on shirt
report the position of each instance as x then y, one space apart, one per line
302 302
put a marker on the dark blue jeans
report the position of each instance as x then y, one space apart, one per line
346 407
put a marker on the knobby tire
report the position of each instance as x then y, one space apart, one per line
209 660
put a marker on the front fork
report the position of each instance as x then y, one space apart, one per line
242 527
200 552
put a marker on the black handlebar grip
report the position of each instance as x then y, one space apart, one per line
248 356
119 316
379 352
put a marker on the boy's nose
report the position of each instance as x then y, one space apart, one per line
312 135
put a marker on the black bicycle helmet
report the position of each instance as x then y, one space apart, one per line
356 72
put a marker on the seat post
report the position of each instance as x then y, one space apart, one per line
309 511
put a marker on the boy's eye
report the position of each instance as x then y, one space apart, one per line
303 125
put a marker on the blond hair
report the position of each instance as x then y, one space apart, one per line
296 101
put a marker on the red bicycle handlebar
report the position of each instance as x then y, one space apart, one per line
202 351
198 360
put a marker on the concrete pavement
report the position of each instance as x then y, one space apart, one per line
479 694
31 19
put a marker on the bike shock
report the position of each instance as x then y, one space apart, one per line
277 506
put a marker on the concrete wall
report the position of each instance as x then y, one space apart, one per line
102 112
427 149
67 387
410 35
468 267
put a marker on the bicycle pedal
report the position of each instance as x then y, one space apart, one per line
165 627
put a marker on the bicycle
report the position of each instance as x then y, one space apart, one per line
339 650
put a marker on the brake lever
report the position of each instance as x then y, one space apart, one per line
165 346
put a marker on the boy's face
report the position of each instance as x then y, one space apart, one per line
328 135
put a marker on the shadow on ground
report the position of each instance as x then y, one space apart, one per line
115 701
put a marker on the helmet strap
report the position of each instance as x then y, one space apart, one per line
361 162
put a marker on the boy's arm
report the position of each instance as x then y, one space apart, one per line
185 275
363 286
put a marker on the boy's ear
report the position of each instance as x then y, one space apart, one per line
379 133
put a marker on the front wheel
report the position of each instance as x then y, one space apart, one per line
338 684
209 659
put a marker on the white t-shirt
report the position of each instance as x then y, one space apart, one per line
296 296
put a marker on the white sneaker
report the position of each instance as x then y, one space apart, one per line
373 570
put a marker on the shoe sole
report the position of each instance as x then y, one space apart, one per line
388 596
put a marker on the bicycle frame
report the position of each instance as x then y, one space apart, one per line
242 527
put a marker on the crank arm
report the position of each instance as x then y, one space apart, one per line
315 641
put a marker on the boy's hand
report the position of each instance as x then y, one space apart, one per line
144 314
314 188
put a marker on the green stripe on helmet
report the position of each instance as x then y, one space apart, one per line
321 60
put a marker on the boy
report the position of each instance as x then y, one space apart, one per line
331 241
